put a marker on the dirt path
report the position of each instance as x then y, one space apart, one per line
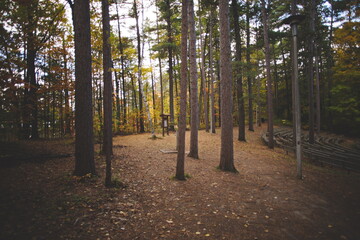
263 201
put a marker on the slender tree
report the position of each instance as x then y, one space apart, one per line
122 62
310 70
211 72
268 76
227 148
84 145
180 166
170 52
249 68
194 85
142 128
107 147
238 71
203 79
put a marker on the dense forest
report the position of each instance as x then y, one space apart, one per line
134 67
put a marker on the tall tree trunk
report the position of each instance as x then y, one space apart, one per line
268 77
227 148
117 101
152 86
194 85
121 48
84 146
31 105
286 75
318 109
180 165
135 105
171 78
310 70
66 93
142 128
160 67
330 65
107 147
203 92
238 72
249 68
276 85
212 77
32 92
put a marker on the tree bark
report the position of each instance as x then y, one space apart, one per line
171 78
238 72
194 85
268 77
180 165
203 82
227 148
121 48
108 144
249 68
84 146
142 128
212 77
310 70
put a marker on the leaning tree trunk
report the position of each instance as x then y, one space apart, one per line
227 148
268 77
180 172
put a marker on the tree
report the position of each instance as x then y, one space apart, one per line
310 67
227 148
238 72
84 146
268 76
40 26
180 172
107 147
142 129
170 52
249 68
346 87
211 72
194 88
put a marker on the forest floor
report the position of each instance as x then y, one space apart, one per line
40 199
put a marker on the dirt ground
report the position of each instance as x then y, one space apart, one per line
41 200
